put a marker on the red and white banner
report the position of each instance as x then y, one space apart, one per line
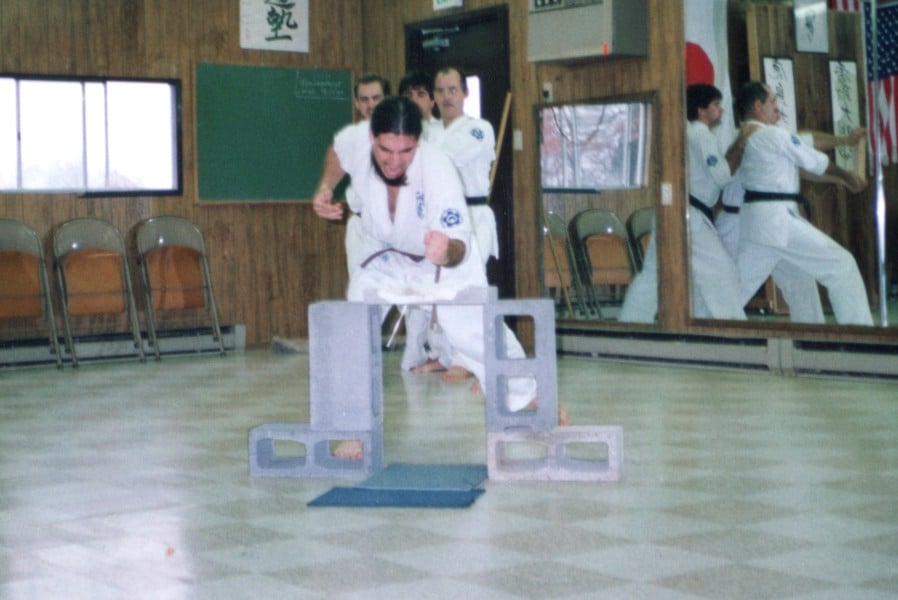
708 57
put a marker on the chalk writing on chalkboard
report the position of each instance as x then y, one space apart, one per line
312 85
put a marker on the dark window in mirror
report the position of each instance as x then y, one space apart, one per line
93 136
594 146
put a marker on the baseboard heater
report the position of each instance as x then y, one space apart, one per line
778 355
120 346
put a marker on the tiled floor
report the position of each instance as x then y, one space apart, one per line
131 481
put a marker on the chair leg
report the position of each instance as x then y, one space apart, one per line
149 315
50 316
210 303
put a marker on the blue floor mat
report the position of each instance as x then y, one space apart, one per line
385 498
427 477
412 486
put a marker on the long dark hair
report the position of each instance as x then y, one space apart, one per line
397 115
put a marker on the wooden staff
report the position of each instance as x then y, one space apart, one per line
557 263
499 138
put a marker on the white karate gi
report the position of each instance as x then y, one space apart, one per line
715 279
773 233
431 200
798 288
471 145
349 141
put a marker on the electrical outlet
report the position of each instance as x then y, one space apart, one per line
517 139
547 91
666 193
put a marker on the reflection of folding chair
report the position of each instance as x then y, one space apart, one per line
175 272
558 277
24 285
94 279
602 253
639 232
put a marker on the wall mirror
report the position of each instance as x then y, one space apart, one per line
595 175
811 88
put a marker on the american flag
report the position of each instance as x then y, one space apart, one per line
887 100
849 5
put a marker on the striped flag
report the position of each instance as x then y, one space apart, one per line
847 5
887 99
886 126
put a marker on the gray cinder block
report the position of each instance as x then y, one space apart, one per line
554 464
345 366
316 460
499 368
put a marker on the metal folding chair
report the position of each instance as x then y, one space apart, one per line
639 231
24 284
92 269
175 272
558 273
602 254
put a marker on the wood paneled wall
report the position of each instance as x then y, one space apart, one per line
268 261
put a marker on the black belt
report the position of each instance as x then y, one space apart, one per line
731 209
752 196
696 203
476 200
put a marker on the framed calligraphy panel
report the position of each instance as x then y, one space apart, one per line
843 91
811 27
281 25
778 74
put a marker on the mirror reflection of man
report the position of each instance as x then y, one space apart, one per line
715 278
772 230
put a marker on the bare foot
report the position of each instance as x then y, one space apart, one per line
349 449
429 366
563 419
455 374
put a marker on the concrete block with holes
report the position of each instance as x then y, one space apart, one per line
510 454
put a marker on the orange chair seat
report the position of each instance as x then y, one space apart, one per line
94 282
608 257
176 278
20 286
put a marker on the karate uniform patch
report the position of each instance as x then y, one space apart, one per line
477 133
450 218
712 160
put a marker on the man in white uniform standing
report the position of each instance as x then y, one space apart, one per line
368 91
417 233
772 231
798 288
470 144
715 279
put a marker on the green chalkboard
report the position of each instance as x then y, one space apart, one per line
261 132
